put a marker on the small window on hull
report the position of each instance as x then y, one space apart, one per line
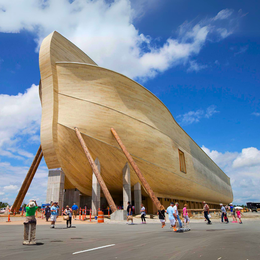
182 161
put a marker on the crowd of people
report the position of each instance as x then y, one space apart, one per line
175 219
235 212
52 212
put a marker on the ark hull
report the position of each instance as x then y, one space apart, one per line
78 93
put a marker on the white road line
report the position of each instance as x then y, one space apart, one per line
92 249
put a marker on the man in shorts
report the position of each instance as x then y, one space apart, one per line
172 216
206 211
129 212
74 210
54 214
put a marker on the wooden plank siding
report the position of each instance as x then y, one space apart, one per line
78 93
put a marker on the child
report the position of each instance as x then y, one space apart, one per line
161 214
186 216
239 216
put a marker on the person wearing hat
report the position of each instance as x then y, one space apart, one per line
30 223
206 211
177 213
224 213
172 216
54 213
67 212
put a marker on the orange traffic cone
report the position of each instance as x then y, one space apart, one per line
8 220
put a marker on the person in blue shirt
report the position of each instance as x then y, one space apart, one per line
172 216
54 213
74 210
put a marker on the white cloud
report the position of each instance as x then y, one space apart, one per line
249 157
210 111
221 159
194 66
223 14
10 188
241 50
19 116
2 193
224 33
243 169
13 177
105 30
256 114
196 116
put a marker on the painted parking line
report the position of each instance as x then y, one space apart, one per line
92 249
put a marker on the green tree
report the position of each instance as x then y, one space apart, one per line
3 204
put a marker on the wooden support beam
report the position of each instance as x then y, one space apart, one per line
27 181
102 184
137 170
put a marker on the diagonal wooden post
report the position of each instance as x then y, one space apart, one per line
137 170
96 172
27 181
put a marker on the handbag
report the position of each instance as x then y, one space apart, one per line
66 217
209 216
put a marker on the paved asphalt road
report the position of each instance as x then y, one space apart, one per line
210 242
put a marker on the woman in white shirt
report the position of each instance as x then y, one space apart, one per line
143 213
68 215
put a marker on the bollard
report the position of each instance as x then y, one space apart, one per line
8 220
108 212
100 217
85 213
90 215
80 214
42 213
22 212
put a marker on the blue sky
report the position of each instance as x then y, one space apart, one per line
201 58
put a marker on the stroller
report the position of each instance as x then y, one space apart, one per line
225 217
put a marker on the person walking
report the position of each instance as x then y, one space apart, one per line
54 214
161 213
172 216
239 216
186 216
143 214
47 213
224 214
68 215
206 212
30 223
233 213
129 212
177 213
74 210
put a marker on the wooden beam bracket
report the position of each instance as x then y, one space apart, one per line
137 170
27 181
96 172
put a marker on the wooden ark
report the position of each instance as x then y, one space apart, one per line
75 92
